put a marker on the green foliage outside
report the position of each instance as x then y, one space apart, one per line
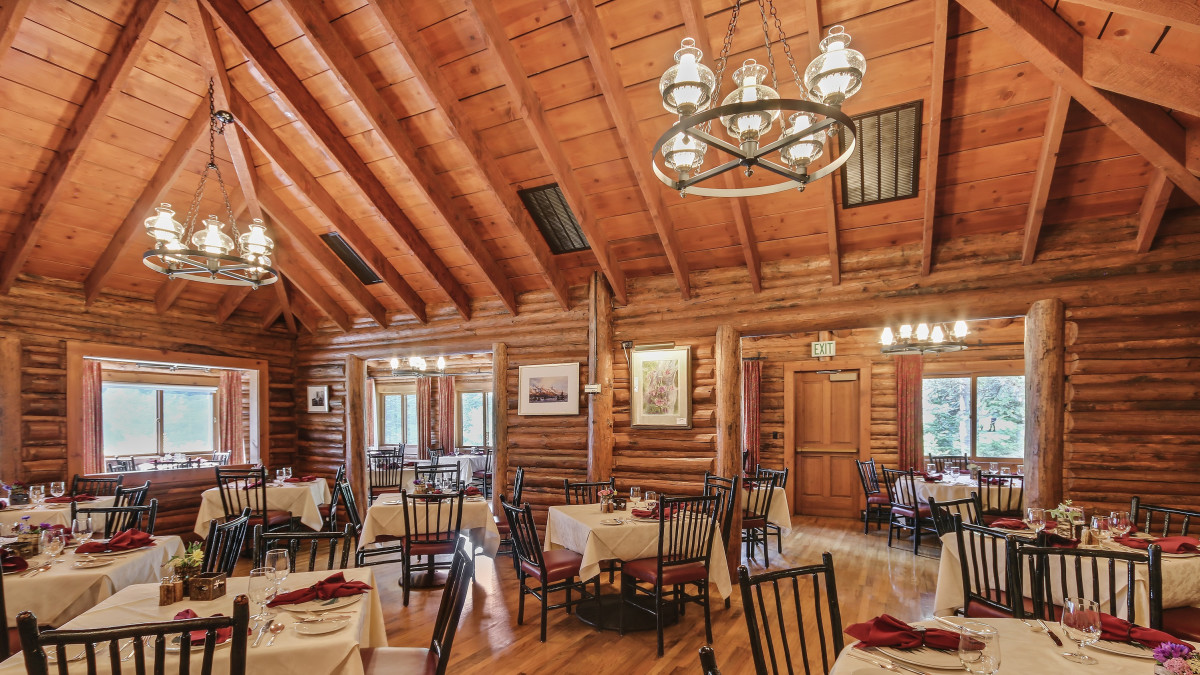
1000 419
130 420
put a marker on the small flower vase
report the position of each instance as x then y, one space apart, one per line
18 497
28 544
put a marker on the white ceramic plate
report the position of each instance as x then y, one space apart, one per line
173 645
114 554
323 605
1133 649
611 521
321 627
924 657
86 564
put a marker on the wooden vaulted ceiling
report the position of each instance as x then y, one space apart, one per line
408 127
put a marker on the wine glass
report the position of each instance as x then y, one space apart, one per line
1006 470
1118 523
1035 518
1101 527
52 543
978 648
1081 622
287 472
279 560
37 494
279 476
930 468
81 529
262 589
993 467
635 494
58 488
1020 469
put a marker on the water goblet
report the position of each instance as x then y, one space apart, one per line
81 529
1035 518
635 494
1081 622
279 559
52 543
930 468
1100 527
1118 523
37 494
279 475
261 588
1020 469
1006 470
651 498
58 488
993 467
287 472
978 648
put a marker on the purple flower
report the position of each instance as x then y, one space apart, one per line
44 526
1171 650
26 518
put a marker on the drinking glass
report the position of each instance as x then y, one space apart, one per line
978 648
58 488
81 529
1081 622
1118 523
1100 526
279 475
1020 469
287 472
1006 470
1035 518
37 494
52 543
279 560
262 588
651 497
635 494
931 468
993 467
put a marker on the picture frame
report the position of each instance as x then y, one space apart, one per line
548 389
661 388
318 398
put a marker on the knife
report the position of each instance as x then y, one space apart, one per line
1049 632
261 632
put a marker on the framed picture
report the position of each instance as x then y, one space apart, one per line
662 388
318 398
548 389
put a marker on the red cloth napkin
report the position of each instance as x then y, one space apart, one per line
1168 544
1055 540
11 561
301 479
1119 630
252 484
649 513
749 485
67 499
886 630
932 477
1009 524
223 634
122 541
333 586
472 491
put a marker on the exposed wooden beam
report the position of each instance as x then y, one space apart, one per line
1154 205
534 115
11 15
325 203
428 76
591 33
231 300
104 90
1114 66
937 89
167 294
1050 43
1181 14
433 189
154 193
285 304
693 21
305 313
824 188
242 29
1056 121
274 311
311 289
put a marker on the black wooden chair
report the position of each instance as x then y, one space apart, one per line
906 512
96 486
584 492
987 559
482 478
120 518
432 524
759 491
66 644
223 545
1161 521
221 458
132 496
781 639
708 661
943 512
373 553
781 477
326 510
877 501
551 571
435 659
502 520
726 489
242 489
333 547
1055 573
385 473
1002 496
687 527
119 465
943 462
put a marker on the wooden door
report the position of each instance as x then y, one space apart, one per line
826 429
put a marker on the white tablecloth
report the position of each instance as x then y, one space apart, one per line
386 517
467 464
577 528
780 512
301 499
292 654
1181 583
55 514
63 592
1022 651
944 492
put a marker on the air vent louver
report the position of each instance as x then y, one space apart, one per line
885 165
348 255
549 209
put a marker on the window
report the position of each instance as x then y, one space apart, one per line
982 416
398 419
475 419
147 419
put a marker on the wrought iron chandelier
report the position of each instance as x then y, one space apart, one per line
212 257
924 340
417 367
749 112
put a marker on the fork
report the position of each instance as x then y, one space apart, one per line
1036 629
35 571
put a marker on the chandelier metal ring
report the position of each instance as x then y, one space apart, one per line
194 265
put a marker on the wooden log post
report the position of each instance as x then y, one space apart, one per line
1044 390
500 418
356 417
10 408
600 371
728 373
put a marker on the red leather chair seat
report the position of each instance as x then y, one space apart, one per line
406 660
275 518
324 509
878 499
419 546
561 565
981 611
646 569
753 523
1182 622
481 474
922 509
502 526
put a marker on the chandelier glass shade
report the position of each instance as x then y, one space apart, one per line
418 367
748 114
924 339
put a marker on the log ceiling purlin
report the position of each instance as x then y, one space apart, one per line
1047 160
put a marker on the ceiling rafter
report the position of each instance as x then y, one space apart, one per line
590 32
167 294
285 304
121 60
274 311
941 21
693 21
1181 14
1056 49
304 182
11 15
401 29
1056 121
433 189
311 289
1117 67
1154 205
230 301
242 29
534 116
304 310
824 189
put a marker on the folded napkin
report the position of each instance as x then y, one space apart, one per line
649 513
1009 524
394 465
122 541
1055 540
886 630
223 634
252 484
11 561
471 491
301 479
1168 544
333 586
67 499
932 477
749 485
1116 629
410 464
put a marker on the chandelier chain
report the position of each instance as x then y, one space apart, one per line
787 48
762 11
723 59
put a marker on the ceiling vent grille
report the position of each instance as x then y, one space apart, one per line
548 208
348 255
886 163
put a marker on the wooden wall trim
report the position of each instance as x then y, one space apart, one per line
356 419
10 407
500 421
1044 395
600 371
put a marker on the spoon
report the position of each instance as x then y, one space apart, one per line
276 628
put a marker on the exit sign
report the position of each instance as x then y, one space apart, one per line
824 349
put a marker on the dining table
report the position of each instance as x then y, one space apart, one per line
73 583
52 514
468 464
955 487
302 499
386 517
779 513
331 653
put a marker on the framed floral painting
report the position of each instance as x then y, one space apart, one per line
662 388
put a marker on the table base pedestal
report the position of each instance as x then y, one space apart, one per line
608 615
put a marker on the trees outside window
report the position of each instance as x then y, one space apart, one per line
398 419
475 419
982 416
146 419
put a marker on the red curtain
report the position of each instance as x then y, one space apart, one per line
751 388
371 412
446 406
908 409
424 415
93 418
229 417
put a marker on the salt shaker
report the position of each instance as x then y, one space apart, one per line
166 592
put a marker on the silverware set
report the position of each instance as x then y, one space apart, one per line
37 570
882 661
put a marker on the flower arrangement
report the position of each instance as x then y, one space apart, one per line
27 527
191 559
1176 659
606 492
1063 513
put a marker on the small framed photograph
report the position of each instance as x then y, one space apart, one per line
662 388
548 389
318 398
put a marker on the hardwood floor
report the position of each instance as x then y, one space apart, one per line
871 579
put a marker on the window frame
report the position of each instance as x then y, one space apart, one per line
973 377
382 390
489 432
158 389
